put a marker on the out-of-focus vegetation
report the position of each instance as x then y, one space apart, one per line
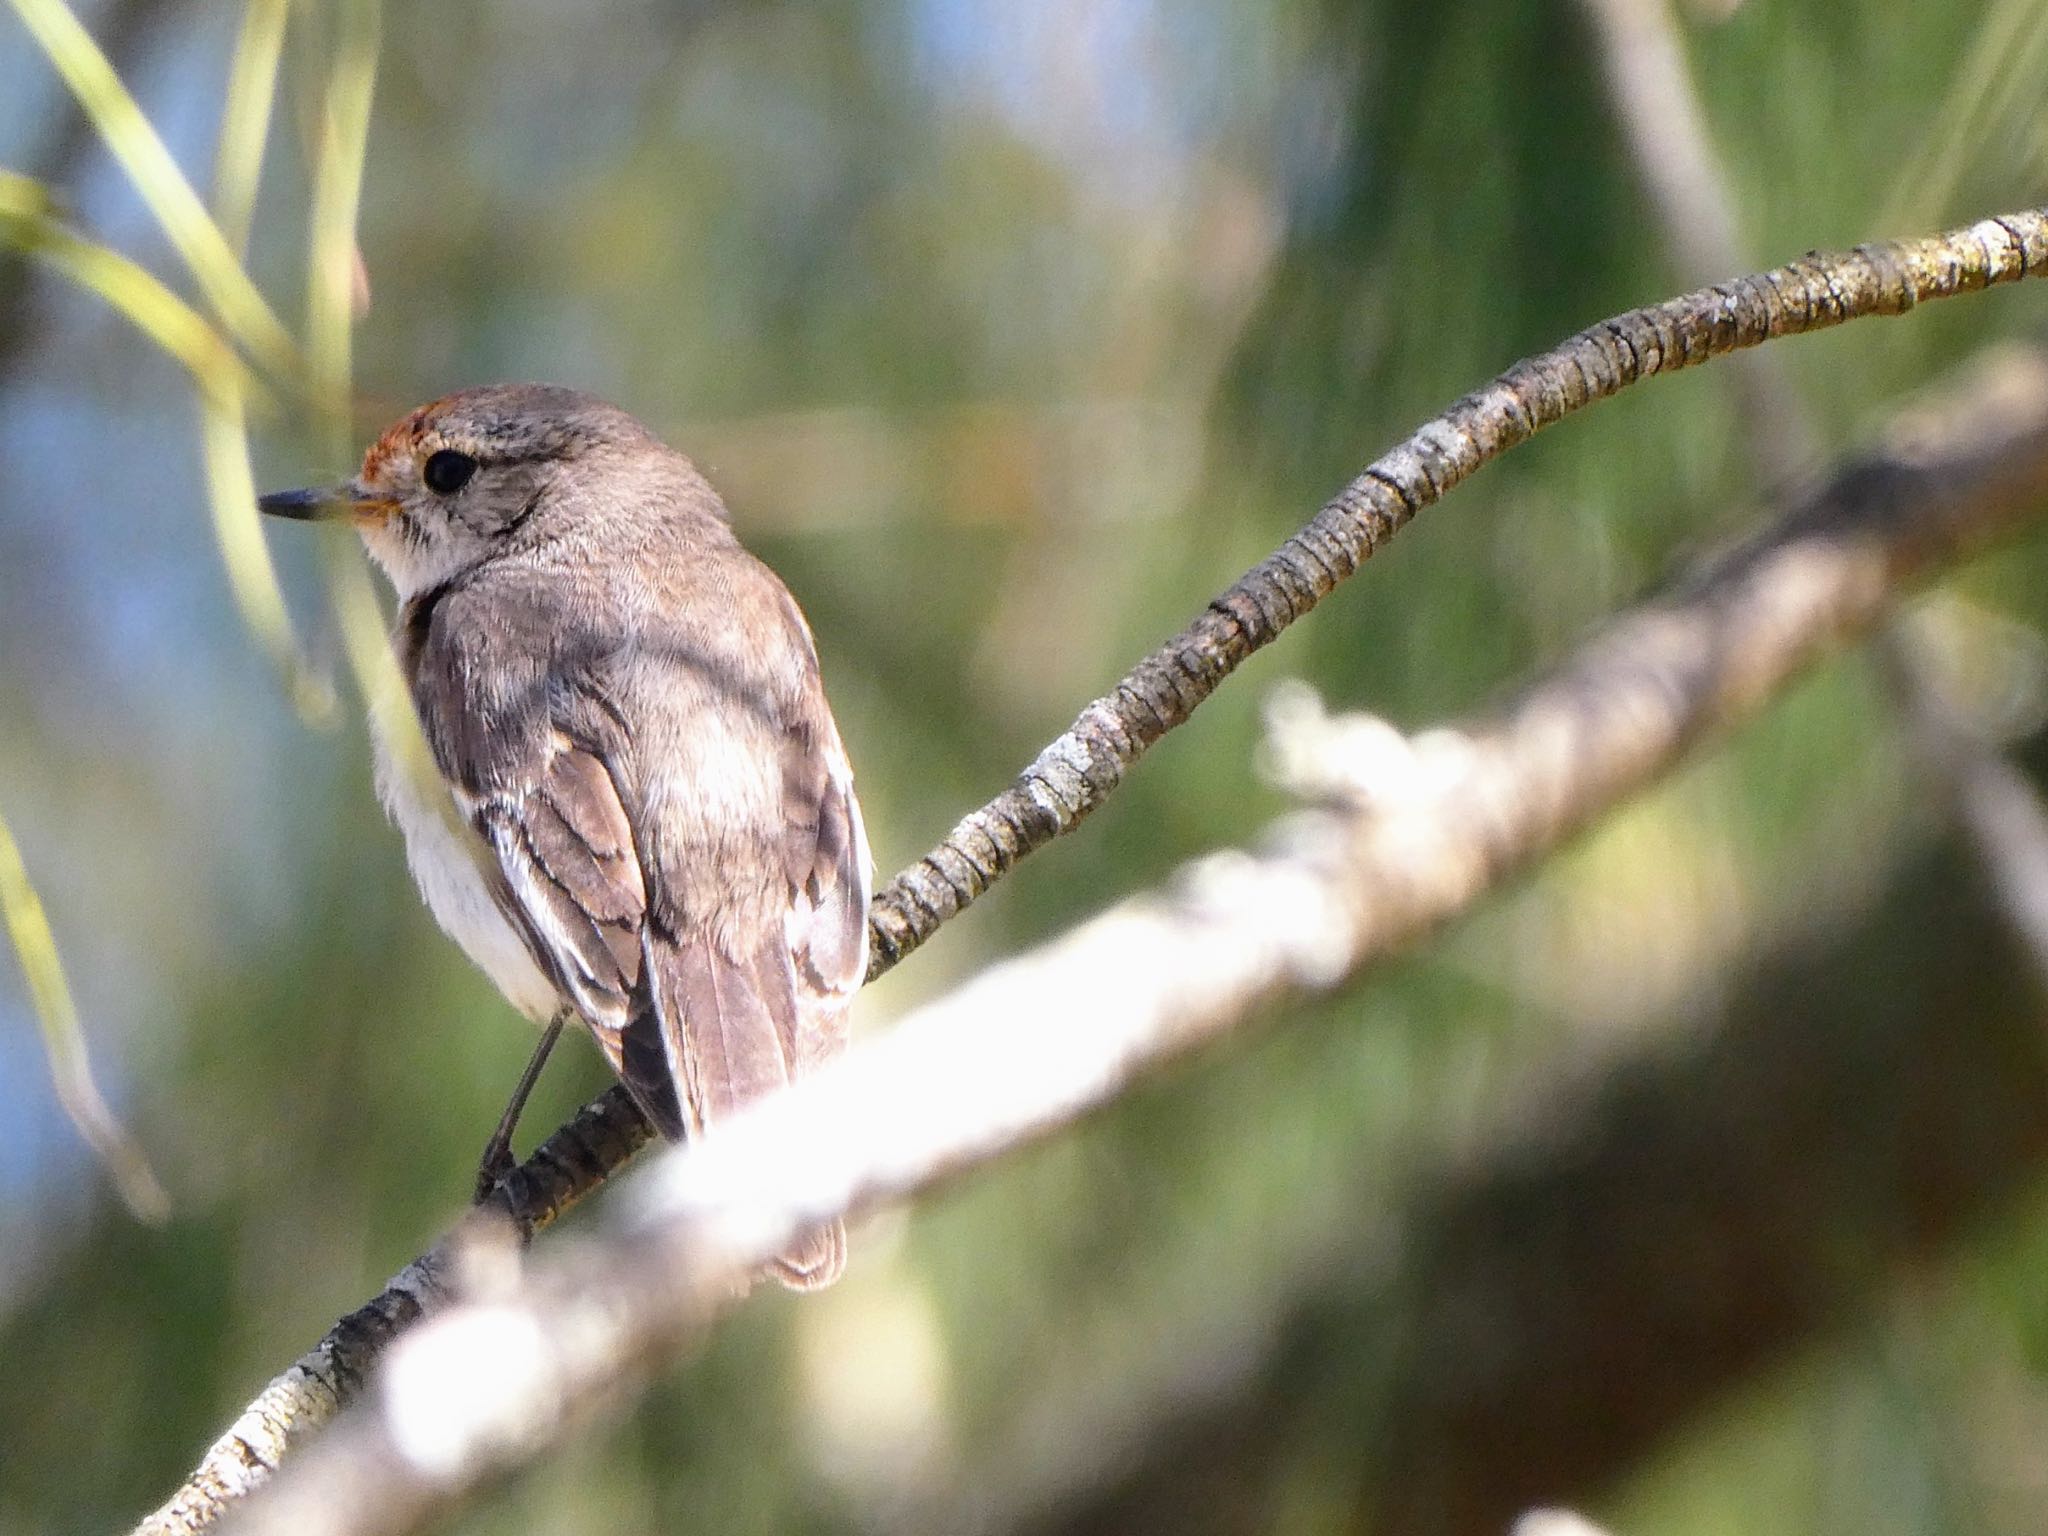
1012 333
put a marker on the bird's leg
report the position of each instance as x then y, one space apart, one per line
497 1159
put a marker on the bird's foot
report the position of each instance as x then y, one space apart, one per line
496 1166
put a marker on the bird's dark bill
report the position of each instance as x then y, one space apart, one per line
322 503
305 506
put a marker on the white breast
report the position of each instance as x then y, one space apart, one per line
444 853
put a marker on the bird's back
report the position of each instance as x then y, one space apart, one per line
655 765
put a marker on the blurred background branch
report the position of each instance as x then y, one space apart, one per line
1892 1073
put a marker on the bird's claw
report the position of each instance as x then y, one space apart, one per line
493 1169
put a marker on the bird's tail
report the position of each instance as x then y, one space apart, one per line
813 1262
732 1032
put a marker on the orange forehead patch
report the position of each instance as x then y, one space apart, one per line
401 440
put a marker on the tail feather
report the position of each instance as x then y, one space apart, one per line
725 1047
642 1063
730 1034
813 1262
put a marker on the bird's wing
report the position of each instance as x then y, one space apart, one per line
757 931
701 876
824 950
830 875
565 854
527 755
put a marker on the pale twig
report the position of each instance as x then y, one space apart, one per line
1036 1042
312 1389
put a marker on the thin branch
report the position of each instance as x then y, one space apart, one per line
1662 119
1034 1043
309 1392
1642 58
1080 769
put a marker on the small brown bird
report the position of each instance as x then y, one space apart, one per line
653 822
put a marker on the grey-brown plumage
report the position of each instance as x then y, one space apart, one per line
660 825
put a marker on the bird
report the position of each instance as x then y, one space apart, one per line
643 816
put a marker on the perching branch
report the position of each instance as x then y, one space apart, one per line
1079 770
1036 1042
316 1386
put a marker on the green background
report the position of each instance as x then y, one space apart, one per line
1697 1182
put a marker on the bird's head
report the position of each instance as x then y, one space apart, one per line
471 476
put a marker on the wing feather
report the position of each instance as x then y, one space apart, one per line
565 852
709 926
566 871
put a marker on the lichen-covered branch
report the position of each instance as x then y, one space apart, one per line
312 1389
1037 1041
1827 1125
1079 770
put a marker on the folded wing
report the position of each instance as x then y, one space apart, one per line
679 845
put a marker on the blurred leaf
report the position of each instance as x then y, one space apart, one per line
252 577
26 222
64 1040
135 144
344 135
341 150
224 425
245 120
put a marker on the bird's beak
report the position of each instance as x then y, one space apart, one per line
351 499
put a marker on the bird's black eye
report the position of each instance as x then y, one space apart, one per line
447 472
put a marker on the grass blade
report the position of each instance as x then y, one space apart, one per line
224 418
27 223
64 1040
135 145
